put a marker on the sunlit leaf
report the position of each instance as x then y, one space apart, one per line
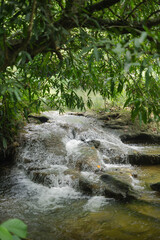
16 226
4 234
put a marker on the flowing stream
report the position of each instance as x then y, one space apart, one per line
56 160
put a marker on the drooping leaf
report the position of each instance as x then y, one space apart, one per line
16 226
4 234
147 79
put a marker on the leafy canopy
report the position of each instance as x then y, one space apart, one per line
51 48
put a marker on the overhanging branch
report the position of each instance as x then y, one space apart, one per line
101 5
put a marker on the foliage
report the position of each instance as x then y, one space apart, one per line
49 49
13 229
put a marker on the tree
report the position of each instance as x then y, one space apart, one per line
104 46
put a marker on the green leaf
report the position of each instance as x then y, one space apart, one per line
119 49
142 37
136 42
4 143
16 238
128 56
112 87
147 78
16 226
4 234
134 113
127 102
144 115
120 87
96 53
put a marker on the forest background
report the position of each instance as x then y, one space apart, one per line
50 49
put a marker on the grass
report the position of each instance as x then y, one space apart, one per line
99 103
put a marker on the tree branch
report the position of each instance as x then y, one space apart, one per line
114 13
53 43
30 27
134 9
48 42
152 23
153 13
101 5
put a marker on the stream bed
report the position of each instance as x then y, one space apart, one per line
46 186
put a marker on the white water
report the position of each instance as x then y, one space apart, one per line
50 153
43 188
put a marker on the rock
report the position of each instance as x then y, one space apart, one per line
106 159
86 186
144 156
108 117
84 158
41 177
143 159
15 144
114 125
140 138
117 189
54 177
8 155
88 159
42 119
155 186
77 114
94 143
107 186
27 160
54 144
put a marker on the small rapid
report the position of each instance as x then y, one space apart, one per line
58 183
56 153
68 152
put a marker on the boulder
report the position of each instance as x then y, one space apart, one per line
54 144
95 143
41 177
142 159
42 119
107 186
116 188
84 158
155 186
140 138
110 116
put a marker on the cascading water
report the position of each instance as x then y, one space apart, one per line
57 182
56 153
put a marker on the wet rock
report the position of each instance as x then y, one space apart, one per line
75 175
112 153
143 159
110 116
116 188
155 186
107 186
77 114
114 125
41 177
54 144
53 177
106 159
86 186
141 138
42 119
94 143
82 157
88 159
8 154
27 160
